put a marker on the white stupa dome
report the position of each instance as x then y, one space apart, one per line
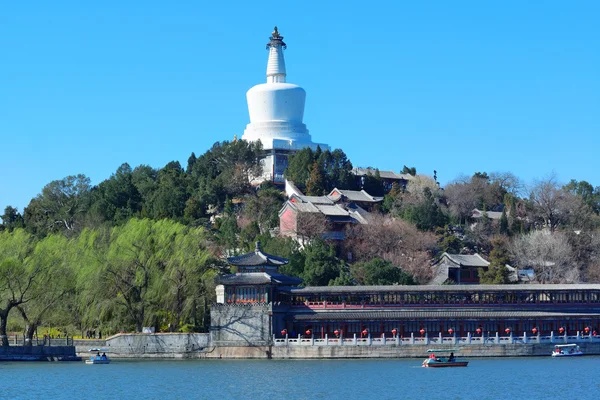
276 108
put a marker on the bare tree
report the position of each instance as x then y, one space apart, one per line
553 206
508 181
549 255
394 240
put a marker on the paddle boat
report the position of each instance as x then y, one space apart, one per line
566 350
440 362
98 358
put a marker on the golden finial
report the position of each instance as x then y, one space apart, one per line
275 32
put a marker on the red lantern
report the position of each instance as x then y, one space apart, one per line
507 330
561 329
336 332
451 331
478 330
587 329
394 331
308 332
534 331
284 332
422 331
365 332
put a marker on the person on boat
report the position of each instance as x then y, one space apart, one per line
104 356
451 358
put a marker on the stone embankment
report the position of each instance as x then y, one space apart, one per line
38 353
197 346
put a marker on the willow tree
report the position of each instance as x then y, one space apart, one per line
17 275
186 279
54 279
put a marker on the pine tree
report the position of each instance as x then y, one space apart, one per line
497 272
315 186
504 223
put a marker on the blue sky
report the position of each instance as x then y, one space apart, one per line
456 87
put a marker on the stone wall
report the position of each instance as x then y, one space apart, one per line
154 345
392 351
38 353
240 324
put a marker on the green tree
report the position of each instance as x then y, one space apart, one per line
427 214
504 223
299 167
54 279
11 219
320 264
17 274
169 199
315 186
60 207
497 273
379 272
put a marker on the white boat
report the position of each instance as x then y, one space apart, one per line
443 362
98 358
566 350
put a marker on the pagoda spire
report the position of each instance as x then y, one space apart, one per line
276 64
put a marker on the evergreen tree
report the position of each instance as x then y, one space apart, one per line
315 186
497 273
504 223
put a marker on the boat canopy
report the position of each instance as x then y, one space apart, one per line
442 350
99 349
566 345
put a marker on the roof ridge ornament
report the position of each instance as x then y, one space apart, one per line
258 249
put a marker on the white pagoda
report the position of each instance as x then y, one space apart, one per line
276 111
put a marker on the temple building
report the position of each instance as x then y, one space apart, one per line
276 111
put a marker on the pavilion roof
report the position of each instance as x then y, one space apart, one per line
257 258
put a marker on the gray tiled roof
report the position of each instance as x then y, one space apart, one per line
384 174
314 199
333 211
445 314
257 258
354 195
258 278
491 214
440 288
466 260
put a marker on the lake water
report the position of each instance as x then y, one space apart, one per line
498 378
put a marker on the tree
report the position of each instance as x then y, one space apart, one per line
263 207
299 167
11 219
504 223
426 215
320 265
53 280
552 206
410 171
549 255
17 275
169 198
117 199
497 273
130 262
394 240
379 272
185 285
315 186
60 207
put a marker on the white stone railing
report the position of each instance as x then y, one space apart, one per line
438 340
